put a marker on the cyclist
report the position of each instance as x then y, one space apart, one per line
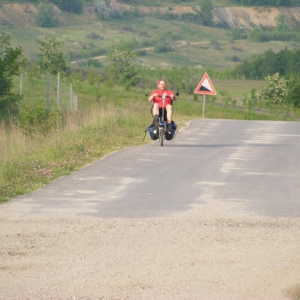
156 98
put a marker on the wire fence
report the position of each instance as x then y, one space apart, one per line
55 92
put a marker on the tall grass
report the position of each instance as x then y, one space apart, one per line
28 162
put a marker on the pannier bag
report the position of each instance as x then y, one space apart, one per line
154 132
170 134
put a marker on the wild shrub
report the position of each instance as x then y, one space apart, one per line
36 118
262 35
275 92
233 58
46 15
73 6
238 33
294 90
161 47
94 36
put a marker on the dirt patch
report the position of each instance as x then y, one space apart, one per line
179 10
18 14
248 17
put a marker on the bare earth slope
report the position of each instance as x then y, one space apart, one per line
20 14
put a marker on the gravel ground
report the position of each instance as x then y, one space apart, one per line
182 257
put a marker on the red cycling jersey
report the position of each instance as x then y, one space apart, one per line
158 100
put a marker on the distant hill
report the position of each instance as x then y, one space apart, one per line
164 36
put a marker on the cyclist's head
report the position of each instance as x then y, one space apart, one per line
161 84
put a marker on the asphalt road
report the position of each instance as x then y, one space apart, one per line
245 166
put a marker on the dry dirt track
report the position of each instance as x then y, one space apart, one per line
229 231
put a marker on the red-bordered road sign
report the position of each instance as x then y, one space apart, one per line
205 87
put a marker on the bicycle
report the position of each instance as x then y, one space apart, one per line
163 133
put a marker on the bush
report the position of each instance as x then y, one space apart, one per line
233 58
294 90
73 6
103 10
161 47
94 36
37 119
260 35
275 92
238 34
45 16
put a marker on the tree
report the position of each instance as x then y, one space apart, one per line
10 60
281 26
103 10
45 16
73 6
205 16
51 58
294 90
123 69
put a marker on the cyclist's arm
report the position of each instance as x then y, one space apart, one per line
172 96
152 96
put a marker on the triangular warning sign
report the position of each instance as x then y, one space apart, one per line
205 87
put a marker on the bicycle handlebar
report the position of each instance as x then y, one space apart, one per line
167 96
177 94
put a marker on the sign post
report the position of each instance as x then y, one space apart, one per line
203 106
205 87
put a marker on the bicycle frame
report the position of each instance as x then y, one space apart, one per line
162 122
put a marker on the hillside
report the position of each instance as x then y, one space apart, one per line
20 14
86 37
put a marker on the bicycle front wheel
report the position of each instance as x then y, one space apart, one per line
161 136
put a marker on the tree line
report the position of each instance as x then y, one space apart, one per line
285 62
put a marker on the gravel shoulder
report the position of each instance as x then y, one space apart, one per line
179 258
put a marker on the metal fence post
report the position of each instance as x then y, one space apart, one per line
58 87
71 97
48 91
76 107
21 87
